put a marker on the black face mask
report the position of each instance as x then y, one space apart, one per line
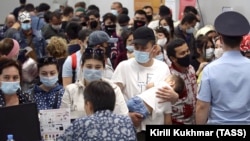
93 24
138 23
184 61
149 18
110 28
84 24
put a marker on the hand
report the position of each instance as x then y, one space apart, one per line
167 94
136 118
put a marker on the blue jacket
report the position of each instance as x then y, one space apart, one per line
38 42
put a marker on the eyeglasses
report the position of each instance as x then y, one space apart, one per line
45 60
90 51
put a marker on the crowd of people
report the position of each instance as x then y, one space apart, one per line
118 74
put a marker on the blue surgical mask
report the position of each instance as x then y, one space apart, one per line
10 87
167 28
130 48
159 57
92 74
49 81
26 26
114 12
141 56
190 30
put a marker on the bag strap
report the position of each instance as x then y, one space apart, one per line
74 63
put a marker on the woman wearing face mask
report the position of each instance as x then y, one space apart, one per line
163 38
127 37
204 53
168 24
10 78
48 94
92 66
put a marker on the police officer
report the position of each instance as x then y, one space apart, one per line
224 93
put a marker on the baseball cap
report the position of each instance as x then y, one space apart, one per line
99 37
24 16
204 30
143 35
232 23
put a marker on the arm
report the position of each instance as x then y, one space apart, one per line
136 118
202 109
67 72
66 81
167 119
66 99
167 94
120 104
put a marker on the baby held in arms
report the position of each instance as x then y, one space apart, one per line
147 104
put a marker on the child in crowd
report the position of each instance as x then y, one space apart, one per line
148 104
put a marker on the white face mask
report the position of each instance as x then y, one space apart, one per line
114 12
167 28
56 27
218 52
162 42
209 53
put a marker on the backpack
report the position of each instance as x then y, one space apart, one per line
74 63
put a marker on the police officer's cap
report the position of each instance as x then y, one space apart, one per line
232 23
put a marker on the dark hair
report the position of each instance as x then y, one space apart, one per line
94 13
190 9
80 4
170 24
140 12
83 34
148 6
67 10
164 11
201 44
43 7
101 95
7 62
22 1
72 30
124 10
232 41
47 16
93 8
179 84
55 14
125 34
44 61
110 16
172 45
97 54
122 18
160 29
29 7
188 18
6 46
118 3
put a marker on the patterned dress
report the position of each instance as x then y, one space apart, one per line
23 98
101 126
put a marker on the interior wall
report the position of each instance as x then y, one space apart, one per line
209 9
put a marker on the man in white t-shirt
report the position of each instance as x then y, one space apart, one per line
133 75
